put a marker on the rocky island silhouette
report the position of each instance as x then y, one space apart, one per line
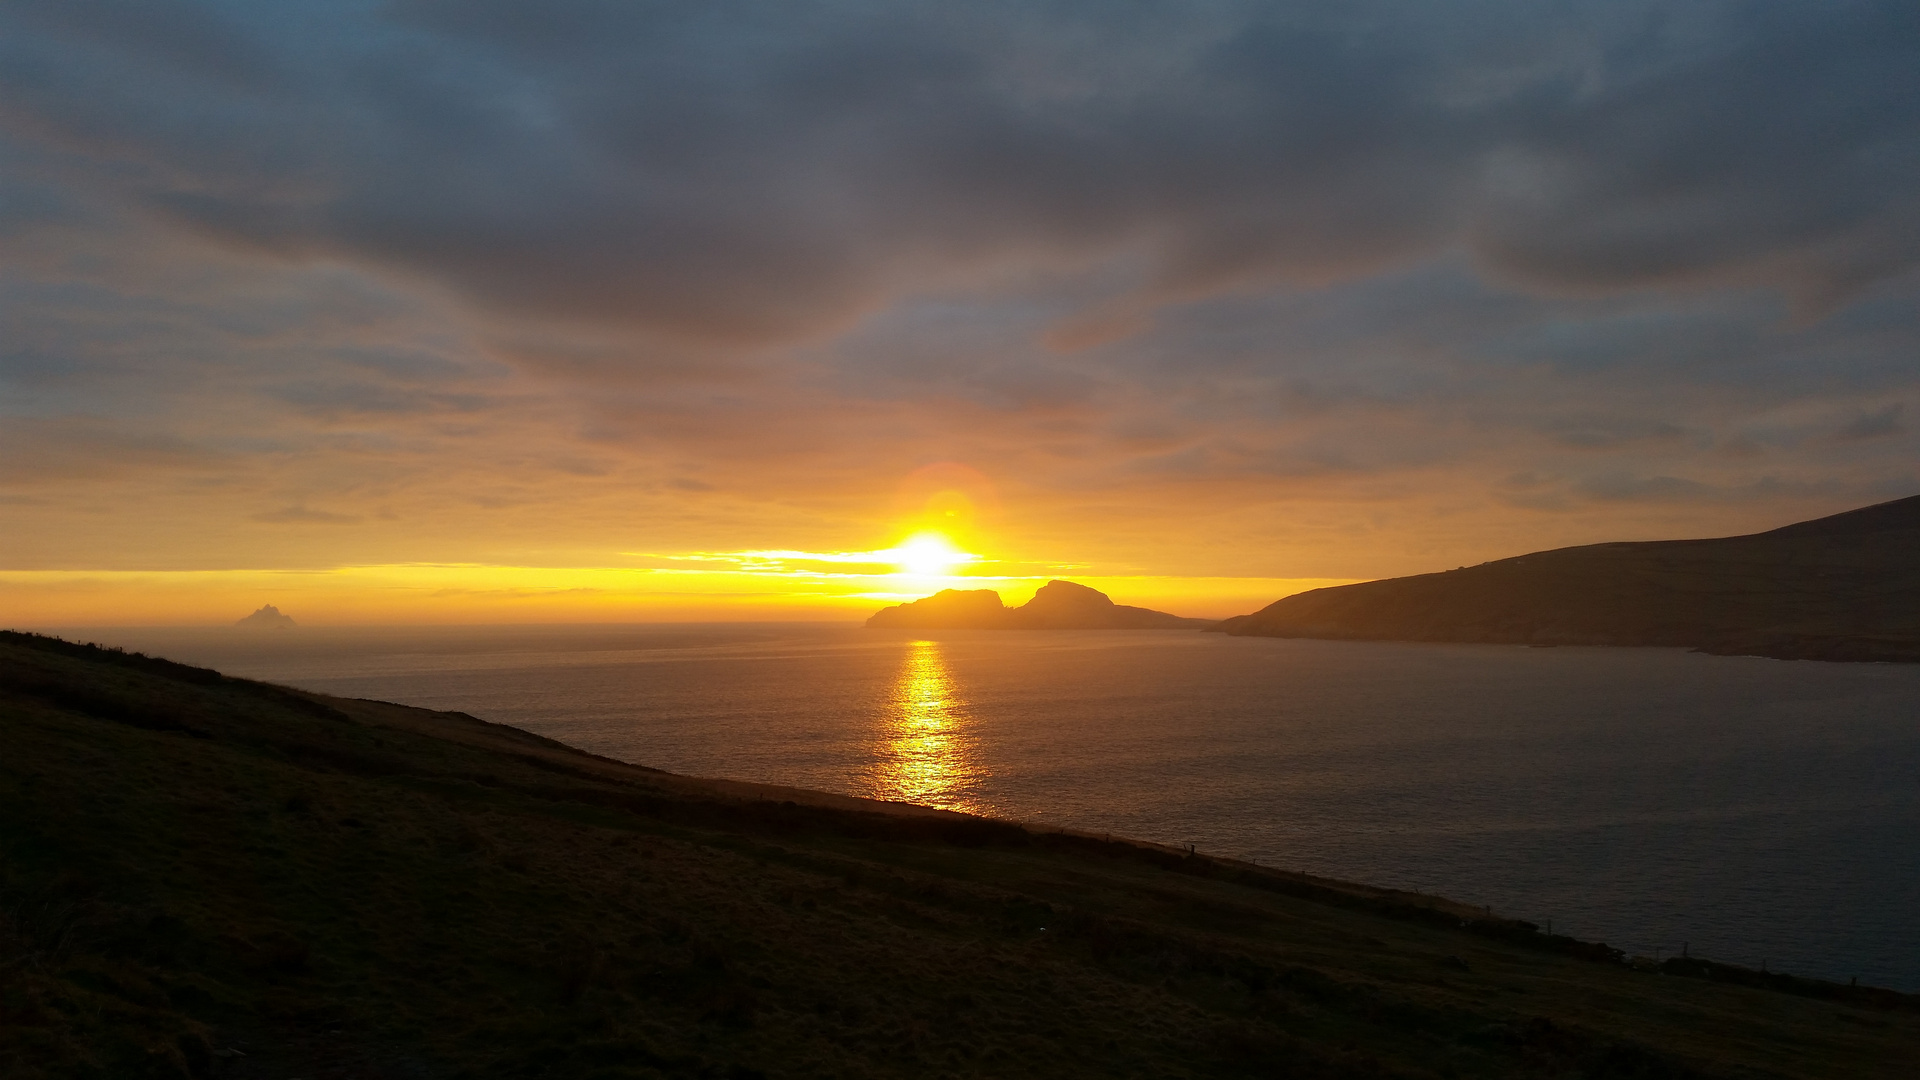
1059 605
269 617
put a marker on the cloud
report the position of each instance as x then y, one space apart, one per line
38 453
760 171
1877 424
300 515
1590 432
1615 486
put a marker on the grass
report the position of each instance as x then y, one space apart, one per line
204 876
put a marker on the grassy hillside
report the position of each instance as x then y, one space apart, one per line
1845 587
202 876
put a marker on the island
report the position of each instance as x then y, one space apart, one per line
1845 587
268 617
1059 605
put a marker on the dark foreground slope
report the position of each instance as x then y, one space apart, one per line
1845 587
1059 605
206 876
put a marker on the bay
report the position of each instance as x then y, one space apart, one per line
1749 810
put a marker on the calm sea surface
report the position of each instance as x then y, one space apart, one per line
1753 809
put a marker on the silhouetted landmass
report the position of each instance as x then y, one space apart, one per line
1059 605
205 876
269 617
1845 587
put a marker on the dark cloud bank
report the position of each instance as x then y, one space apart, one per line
1397 204
739 169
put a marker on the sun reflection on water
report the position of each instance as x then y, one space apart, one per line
924 753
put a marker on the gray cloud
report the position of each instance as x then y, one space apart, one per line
1877 424
43 454
300 515
756 171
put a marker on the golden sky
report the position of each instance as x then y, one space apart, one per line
434 313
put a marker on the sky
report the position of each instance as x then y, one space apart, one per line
476 310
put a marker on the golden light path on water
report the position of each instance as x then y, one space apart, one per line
925 751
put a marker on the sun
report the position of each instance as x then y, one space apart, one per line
929 554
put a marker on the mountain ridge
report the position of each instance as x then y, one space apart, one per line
1842 587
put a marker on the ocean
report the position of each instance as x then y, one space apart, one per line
1748 810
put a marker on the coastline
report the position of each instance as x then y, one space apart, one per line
259 878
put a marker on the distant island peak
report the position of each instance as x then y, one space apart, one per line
268 616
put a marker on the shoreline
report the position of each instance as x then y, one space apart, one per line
209 876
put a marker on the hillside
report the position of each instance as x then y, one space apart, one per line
204 876
1059 605
1845 587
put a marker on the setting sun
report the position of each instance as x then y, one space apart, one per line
930 555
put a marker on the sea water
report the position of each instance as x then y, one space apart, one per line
1750 810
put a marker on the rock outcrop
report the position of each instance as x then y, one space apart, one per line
1059 605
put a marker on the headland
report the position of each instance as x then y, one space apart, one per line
1845 587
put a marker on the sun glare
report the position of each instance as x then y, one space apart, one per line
929 555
